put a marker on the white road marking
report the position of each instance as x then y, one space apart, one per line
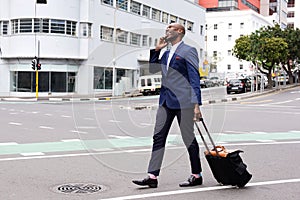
80 132
260 133
265 140
33 154
46 127
65 116
114 121
8 143
47 114
119 136
15 123
86 127
203 189
90 119
104 149
71 140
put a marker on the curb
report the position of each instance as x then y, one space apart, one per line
108 98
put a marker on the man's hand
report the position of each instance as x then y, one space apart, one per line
161 44
197 113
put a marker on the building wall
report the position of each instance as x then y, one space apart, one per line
241 4
80 55
294 21
230 26
280 14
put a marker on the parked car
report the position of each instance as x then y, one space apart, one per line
239 85
205 82
215 81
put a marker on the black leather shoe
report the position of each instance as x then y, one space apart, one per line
152 183
192 181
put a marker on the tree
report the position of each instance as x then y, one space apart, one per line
263 48
292 37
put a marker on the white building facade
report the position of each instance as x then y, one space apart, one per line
86 46
294 13
223 28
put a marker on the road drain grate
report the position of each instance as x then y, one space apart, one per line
79 188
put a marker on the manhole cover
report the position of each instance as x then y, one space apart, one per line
79 188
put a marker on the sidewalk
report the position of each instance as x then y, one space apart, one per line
108 97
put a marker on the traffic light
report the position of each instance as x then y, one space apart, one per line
41 1
34 63
38 64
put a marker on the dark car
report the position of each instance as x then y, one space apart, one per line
205 82
239 85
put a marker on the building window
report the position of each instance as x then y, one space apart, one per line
146 11
201 53
122 36
14 26
106 33
25 25
173 19
215 38
291 4
103 78
291 25
291 14
229 25
86 29
228 67
229 53
201 29
3 27
145 41
108 2
57 26
156 14
135 39
241 66
215 26
71 28
215 53
48 81
190 26
45 25
229 37
182 21
135 7
165 17
242 25
122 4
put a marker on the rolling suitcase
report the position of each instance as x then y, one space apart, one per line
227 167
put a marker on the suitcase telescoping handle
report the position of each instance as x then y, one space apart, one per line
209 136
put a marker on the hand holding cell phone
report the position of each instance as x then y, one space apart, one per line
161 43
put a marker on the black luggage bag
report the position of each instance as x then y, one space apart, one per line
227 167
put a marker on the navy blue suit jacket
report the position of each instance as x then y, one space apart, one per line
181 82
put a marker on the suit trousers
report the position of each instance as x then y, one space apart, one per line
164 119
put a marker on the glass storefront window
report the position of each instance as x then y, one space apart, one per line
48 81
103 78
58 82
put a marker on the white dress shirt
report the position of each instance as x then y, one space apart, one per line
172 51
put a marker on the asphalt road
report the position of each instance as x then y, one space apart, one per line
93 150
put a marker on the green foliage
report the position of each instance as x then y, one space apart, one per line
268 47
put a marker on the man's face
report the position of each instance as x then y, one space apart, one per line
172 32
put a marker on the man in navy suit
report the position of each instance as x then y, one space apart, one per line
180 97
